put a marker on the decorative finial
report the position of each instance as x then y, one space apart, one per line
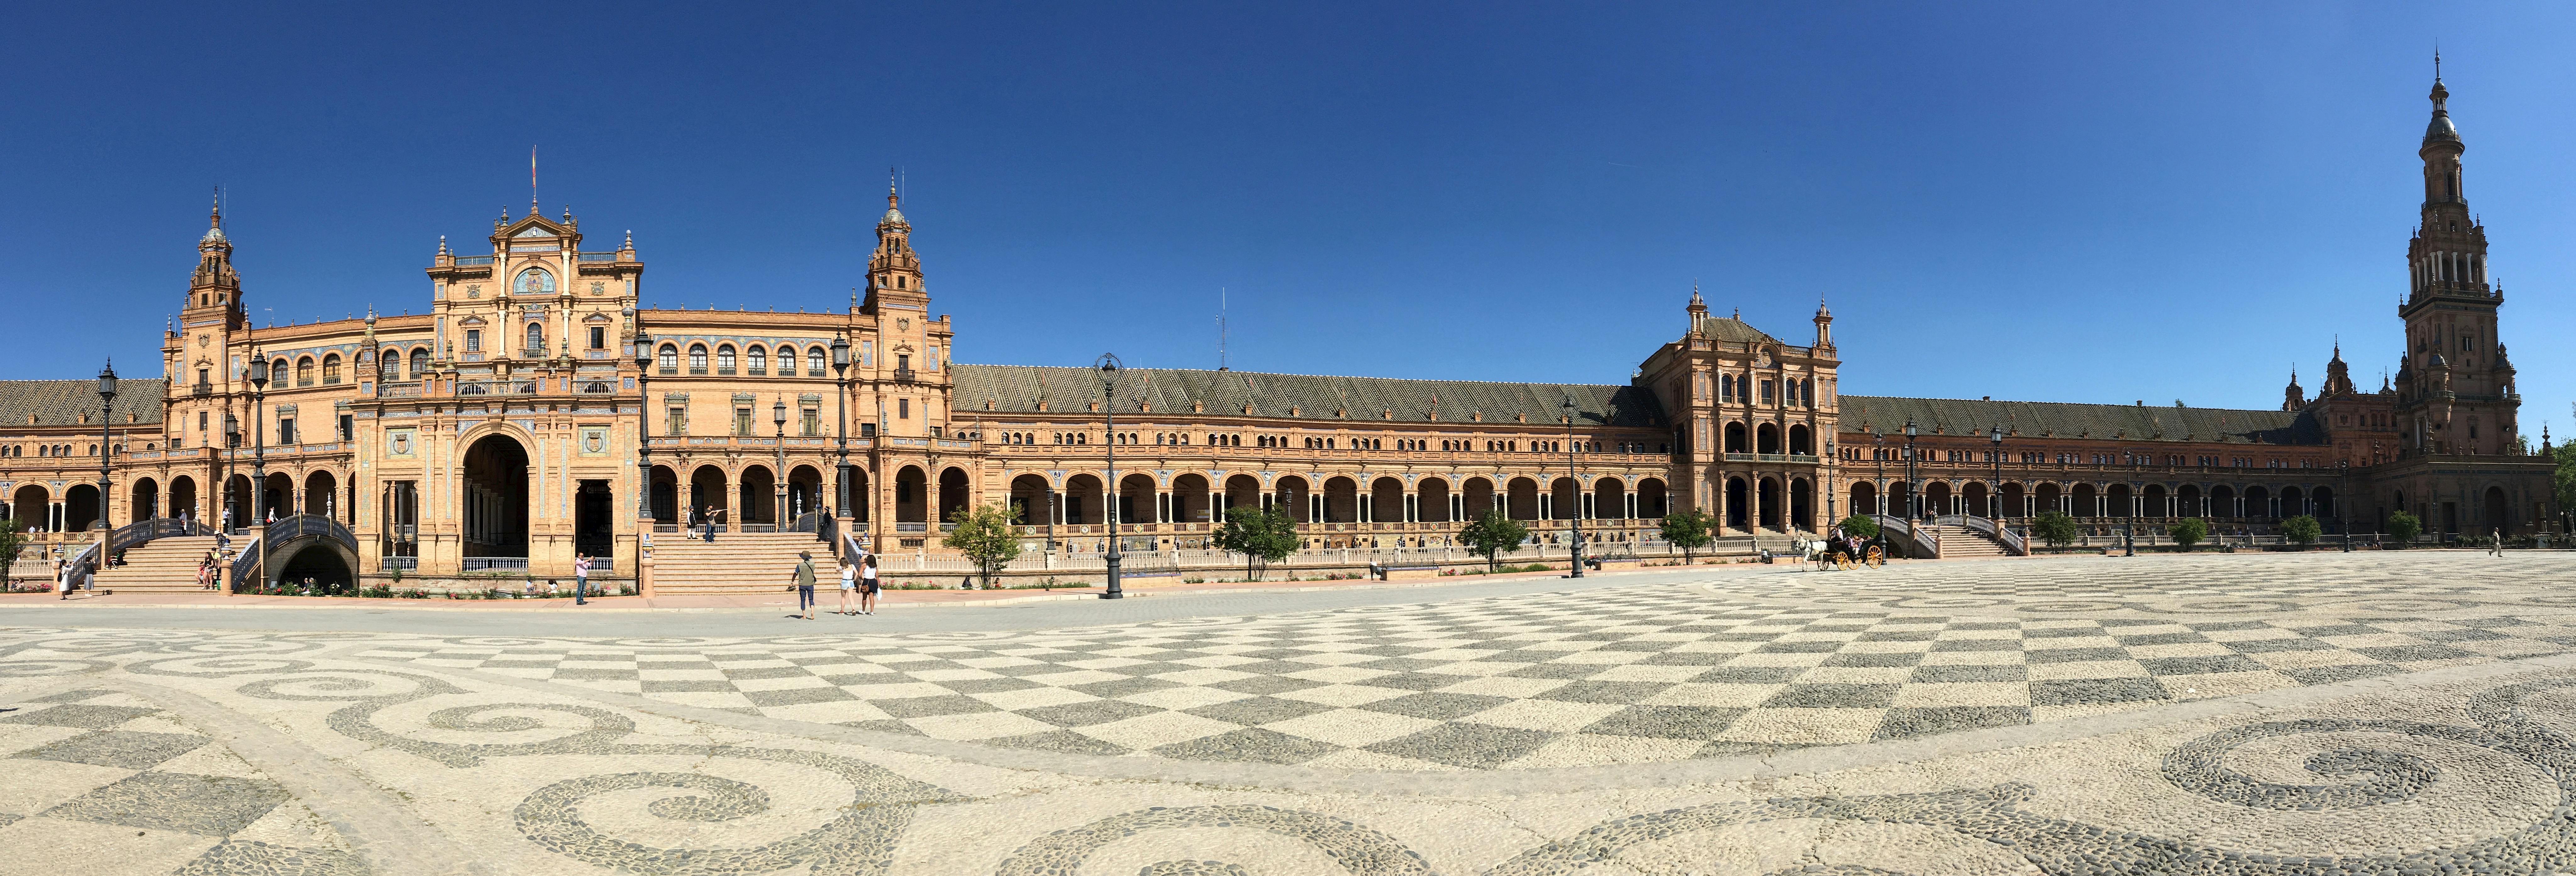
442 244
567 214
1695 290
1739 314
630 238
217 216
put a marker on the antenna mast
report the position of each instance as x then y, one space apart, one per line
1220 329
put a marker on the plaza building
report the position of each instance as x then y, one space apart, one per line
536 412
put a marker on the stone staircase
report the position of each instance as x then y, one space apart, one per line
1960 541
745 562
164 565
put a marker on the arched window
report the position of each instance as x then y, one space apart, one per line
724 359
536 338
331 369
1726 387
535 281
419 362
697 358
814 362
389 367
304 371
670 359
759 359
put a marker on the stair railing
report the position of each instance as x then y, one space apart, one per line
2012 541
133 534
1917 545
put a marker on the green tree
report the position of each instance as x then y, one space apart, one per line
2188 531
2404 527
11 542
1860 526
2055 528
1262 537
984 535
2301 529
1493 534
2566 454
1689 529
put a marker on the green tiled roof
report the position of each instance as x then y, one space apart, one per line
1016 389
62 402
1886 416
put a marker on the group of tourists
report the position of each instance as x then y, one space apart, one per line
858 582
702 523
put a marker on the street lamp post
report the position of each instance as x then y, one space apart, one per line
1913 493
2129 523
224 473
841 434
644 429
1108 365
778 480
2343 489
1572 477
1995 491
259 454
106 445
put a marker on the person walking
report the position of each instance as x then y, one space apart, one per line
805 584
849 587
868 584
581 579
2495 543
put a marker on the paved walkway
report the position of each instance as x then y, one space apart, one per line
2328 713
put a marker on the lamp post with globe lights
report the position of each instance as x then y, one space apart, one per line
1109 367
106 444
644 429
1575 522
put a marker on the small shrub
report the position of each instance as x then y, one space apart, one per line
2302 529
2055 528
2189 531
1859 526
2403 528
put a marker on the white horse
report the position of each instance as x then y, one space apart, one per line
1818 552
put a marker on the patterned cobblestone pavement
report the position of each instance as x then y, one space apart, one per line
2365 713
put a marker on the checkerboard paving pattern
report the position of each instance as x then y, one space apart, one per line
90 771
1608 676
2302 576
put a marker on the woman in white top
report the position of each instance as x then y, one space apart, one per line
867 584
849 586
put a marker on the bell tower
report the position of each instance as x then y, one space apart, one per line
2456 389
215 290
894 270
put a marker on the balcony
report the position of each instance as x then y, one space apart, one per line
1798 458
905 375
202 390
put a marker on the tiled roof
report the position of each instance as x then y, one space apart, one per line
62 402
1731 330
1018 388
1887 416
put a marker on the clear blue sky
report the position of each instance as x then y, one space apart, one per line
2072 202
